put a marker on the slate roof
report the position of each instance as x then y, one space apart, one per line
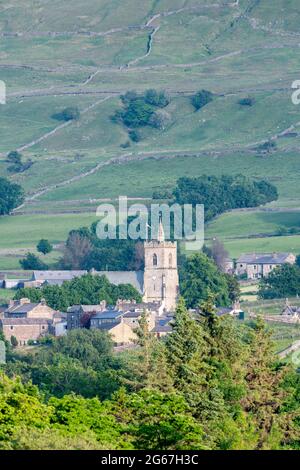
264 258
108 315
57 275
163 325
223 311
25 308
134 314
135 278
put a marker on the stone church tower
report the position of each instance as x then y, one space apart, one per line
161 282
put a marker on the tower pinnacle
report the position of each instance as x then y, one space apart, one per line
161 232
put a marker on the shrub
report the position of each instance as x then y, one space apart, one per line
71 113
135 136
31 261
159 99
247 101
201 99
160 119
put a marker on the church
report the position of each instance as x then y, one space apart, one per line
159 282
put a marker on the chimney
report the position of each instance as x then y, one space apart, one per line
24 301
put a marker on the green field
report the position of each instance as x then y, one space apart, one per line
51 59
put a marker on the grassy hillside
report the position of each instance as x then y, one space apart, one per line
86 53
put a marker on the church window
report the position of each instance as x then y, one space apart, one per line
154 260
170 260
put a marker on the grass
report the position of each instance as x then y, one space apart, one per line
6 295
206 47
25 232
238 224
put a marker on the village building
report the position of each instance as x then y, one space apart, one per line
290 310
78 316
163 326
113 322
258 266
27 321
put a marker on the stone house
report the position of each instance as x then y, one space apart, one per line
78 316
258 266
25 329
27 321
113 322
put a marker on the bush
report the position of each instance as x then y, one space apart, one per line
31 261
247 101
159 99
160 119
201 99
71 113
17 166
134 136
137 114
126 145
267 147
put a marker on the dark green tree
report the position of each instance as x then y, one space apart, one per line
31 261
11 196
44 246
199 276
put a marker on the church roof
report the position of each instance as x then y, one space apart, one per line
135 278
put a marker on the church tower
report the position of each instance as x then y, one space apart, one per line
161 282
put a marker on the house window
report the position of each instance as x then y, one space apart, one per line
11 327
154 260
43 327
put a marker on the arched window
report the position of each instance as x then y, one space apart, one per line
154 260
170 260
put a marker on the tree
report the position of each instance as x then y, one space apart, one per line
78 248
160 421
14 157
11 196
201 99
265 394
219 254
86 290
14 341
185 352
31 261
44 247
199 276
220 194
156 98
282 282
234 290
